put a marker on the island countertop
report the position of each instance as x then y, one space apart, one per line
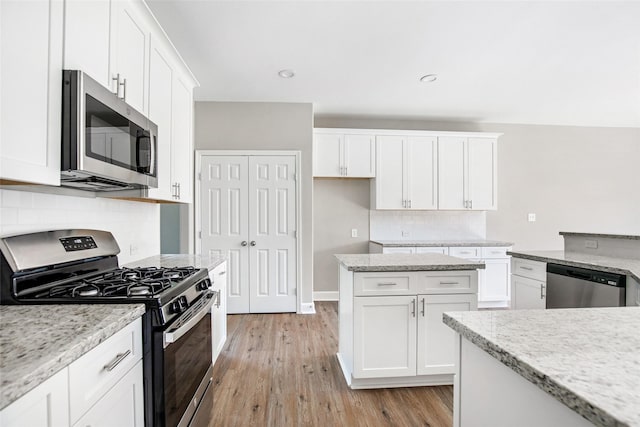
440 243
37 341
588 358
405 262
179 260
626 266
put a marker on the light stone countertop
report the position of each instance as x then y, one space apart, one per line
626 266
179 260
406 262
608 236
438 243
37 341
587 358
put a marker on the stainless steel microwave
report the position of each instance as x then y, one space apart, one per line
106 144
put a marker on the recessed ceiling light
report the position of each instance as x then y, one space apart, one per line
429 78
286 73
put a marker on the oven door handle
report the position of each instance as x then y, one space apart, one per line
173 336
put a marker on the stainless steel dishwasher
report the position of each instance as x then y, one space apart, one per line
574 287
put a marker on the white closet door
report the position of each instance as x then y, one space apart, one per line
272 219
224 217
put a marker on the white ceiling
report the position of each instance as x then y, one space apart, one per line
570 63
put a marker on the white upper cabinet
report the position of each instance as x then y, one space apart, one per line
343 155
467 177
31 35
129 53
182 143
406 176
87 35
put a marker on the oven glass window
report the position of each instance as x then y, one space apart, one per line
186 362
112 138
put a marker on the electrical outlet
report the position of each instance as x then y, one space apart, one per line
354 232
405 233
532 217
591 244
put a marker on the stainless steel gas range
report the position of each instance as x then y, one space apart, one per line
81 267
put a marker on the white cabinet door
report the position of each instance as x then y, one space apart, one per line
47 405
122 405
389 193
384 336
359 155
219 310
31 34
482 173
225 222
327 155
129 54
272 222
160 106
494 285
86 38
451 173
527 293
421 172
436 341
182 142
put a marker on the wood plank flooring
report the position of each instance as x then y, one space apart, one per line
281 370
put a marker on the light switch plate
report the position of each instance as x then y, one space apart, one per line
405 233
354 232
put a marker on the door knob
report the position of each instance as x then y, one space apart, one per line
244 243
253 243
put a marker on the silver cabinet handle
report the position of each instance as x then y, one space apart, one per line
542 295
124 89
387 284
449 283
470 204
218 297
526 268
244 243
117 80
413 307
423 307
346 171
116 361
179 192
409 203
253 243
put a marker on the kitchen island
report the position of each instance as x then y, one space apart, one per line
568 367
390 317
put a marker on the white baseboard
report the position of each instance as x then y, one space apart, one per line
326 296
308 308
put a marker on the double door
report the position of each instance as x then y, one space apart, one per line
396 336
248 214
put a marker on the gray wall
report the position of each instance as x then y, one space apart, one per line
584 179
266 126
340 205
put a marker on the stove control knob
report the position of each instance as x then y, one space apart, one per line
176 307
183 303
203 286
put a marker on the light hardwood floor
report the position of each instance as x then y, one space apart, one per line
281 370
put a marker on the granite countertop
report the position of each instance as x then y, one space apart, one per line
406 262
437 243
626 266
608 236
586 358
179 260
37 341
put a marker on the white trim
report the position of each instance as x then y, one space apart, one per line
326 295
401 132
306 308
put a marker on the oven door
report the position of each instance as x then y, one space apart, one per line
187 364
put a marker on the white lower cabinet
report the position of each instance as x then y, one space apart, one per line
529 284
104 387
391 329
47 405
218 278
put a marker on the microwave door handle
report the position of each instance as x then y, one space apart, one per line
171 337
152 154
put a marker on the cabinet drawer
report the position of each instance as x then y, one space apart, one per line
399 250
92 375
446 282
432 250
532 269
381 284
496 252
465 252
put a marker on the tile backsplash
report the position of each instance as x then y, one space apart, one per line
135 225
427 225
